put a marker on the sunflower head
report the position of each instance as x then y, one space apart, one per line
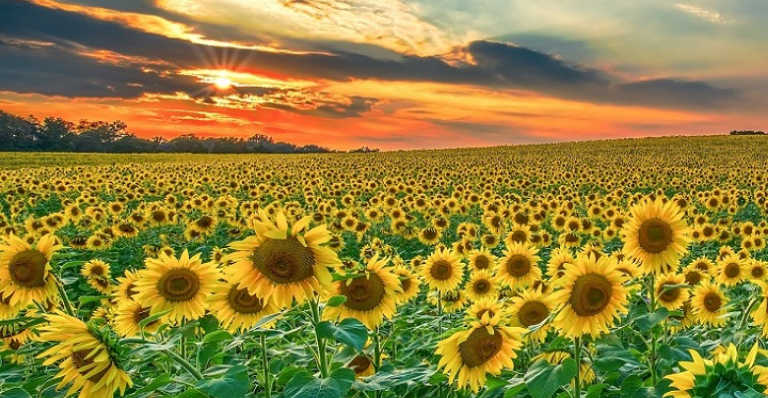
656 234
25 270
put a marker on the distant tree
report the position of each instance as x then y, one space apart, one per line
747 132
364 149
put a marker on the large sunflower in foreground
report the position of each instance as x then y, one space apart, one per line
370 297
519 267
237 309
708 303
179 285
486 347
85 360
656 234
590 298
282 263
722 376
442 270
25 270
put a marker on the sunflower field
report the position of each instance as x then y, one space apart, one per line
623 268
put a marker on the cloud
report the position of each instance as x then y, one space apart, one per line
707 15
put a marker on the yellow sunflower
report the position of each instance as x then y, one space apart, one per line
519 267
85 360
25 270
362 365
283 264
558 258
760 315
179 285
442 270
237 309
656 234
731 270
667 296
128 316
756 270
409 285
126 288
486 347
370 297
489 306
481 284
481 259
708 303
590 298
531 308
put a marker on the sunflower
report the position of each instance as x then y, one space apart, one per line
453 301
586 372
489 306
670 297
731 270
237 309
14 335
442 270
126 288
8 311
558 258
281 263
179 285
590 297
756 270
429 236
708 303
370 297
481 259
519 266
531 308
25 270
128 316
656 234
85 360
482 284
722 376
362 365
486 347
409 285
760 315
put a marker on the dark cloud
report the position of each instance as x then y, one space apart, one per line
497 65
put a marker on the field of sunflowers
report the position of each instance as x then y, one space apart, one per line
621 268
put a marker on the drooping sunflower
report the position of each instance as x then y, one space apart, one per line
128 316
409 285
722 376
370 297
656 234
25 270
708 303
85 359
237 309
283 264
668 296
486 347
442 270
531 308
519 267
481 284
590 298
179 285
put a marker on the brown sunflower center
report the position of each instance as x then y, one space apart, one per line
591 294
518 265
405 284
179 284
158 216
141 314
532 313
80 360
27 268
732 270
655 235
518 236
363 294
712 302
480 347
430 234
360 364
481 286
243 302
758 272
482 312
481 262
97 270
441 270
670 295
284 261
693 278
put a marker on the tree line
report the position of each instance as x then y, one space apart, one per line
54 134
747 132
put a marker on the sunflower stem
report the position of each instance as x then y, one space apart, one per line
652 356
185 364
577 357
265 365
440 392
64 298
323 363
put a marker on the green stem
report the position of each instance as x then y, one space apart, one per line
265 365
652 356
577 356
185 364
64 298
440 391
376 350
323 364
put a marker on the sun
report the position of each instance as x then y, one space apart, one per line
222 83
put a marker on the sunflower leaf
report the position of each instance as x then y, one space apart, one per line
233 383
544 379
649 321
350 332
336 301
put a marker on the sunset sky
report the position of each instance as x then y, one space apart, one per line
392 74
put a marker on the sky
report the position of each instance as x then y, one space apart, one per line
391 74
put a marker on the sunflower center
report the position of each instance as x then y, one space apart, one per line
655 235
533 313
482 286
97 270
363 294
669 295
481 262
480 347
142 314
27 268
243 302
518 265
693 278
732 270
758 272
591 294
712 302
441 270
80 360
405 284
179 284
482 312
284 261
360 364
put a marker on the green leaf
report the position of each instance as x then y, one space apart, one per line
648 321
217 336
15 393
518 385
349 331
304 385
336 301
234 383
492 382
630 386
192 394
543 379
152 318
159 381
90 299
